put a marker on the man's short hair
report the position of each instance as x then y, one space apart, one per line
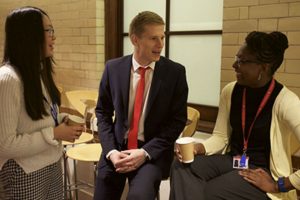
144 18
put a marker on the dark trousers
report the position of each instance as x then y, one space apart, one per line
143 184
211 178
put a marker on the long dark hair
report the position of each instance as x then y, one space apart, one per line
268 47
24 51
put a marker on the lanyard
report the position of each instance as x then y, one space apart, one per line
53 109
261 106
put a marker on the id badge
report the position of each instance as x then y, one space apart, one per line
240 162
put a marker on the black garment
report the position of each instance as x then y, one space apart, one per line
211 178
259 140
143 183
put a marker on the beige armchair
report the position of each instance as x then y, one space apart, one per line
83 101
193 118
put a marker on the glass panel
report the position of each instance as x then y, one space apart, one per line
201 56
128 47
133 7
196 15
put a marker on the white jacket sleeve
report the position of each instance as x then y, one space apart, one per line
19 140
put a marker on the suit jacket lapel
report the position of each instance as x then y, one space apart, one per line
155 85
125 72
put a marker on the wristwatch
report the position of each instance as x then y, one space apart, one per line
146 155
280 184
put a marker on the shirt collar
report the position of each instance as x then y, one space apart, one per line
136 65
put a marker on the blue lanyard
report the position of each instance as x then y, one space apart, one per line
54 112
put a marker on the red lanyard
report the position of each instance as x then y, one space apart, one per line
261 106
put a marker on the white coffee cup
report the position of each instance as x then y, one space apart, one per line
75 121
186 147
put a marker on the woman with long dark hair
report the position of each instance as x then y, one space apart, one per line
31 129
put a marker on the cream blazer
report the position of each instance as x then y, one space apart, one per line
30 143
284 136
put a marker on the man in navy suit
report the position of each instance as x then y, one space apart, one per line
162 118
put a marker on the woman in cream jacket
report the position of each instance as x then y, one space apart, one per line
257 131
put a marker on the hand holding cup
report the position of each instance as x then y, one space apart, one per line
71 128
74 120
186 148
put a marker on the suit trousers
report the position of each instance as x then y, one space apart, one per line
143 183
211 178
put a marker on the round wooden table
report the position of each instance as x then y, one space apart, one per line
84 137
88 152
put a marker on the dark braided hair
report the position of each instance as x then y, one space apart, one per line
268 47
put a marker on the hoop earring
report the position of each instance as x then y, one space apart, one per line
259 77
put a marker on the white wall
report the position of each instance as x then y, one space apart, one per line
200 54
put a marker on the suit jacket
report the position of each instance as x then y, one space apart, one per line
165 115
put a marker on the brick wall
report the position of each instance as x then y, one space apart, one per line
244 16
79 30
79 27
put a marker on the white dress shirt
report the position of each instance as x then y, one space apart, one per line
134 80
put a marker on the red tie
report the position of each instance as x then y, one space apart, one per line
137 110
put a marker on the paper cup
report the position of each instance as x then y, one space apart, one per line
186 146
75 121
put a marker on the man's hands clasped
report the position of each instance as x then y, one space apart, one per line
128 160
